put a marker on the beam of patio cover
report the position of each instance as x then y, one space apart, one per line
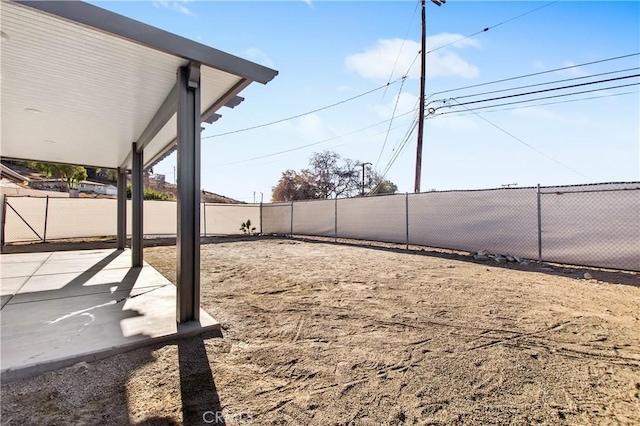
162 116
188 241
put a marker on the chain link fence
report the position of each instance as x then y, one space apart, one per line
591 225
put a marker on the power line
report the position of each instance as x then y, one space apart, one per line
541 98
484 30
548 90
311 144
548 82
535 74
393 114
457 113
521 141
401 147
400 51
305 113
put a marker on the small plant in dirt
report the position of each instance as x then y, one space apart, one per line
246 227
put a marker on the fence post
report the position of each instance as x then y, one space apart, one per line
335 220
204 216
406 217
4 215
46 216
539 227
291 233
260 216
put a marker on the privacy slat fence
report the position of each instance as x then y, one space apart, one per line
594 225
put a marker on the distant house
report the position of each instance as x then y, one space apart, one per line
97 188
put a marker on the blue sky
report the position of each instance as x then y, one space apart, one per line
326 52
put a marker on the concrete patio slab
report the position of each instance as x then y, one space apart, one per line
57 319
19 269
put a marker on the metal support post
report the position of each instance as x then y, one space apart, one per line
188 241
122 209
137 203
3 197
46 216
291 233
335 220
204 217
539 227
406 218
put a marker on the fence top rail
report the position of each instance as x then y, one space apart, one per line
233 204
585 191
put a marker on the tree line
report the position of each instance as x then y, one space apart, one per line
330 176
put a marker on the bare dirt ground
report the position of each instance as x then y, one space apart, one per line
321 334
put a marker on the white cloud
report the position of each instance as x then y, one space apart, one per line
377 62
178 6
257 55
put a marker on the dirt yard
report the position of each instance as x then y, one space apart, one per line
322 334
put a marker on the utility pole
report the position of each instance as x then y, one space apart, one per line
363 171
423 80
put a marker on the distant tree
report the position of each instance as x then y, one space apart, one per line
384 187
151 194
71 175
335 176
102 173
294 186
330 176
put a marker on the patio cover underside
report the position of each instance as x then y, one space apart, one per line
80 84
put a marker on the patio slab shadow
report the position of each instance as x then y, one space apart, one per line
55 320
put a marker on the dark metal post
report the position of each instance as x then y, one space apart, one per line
188 241
46 215
260 217
137 203
539 227
3 197
122 209
204 217
291 233
363 175
406 217
335 220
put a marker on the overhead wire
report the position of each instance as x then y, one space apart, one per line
484 30
305 113
534 74
548 82
311 144
460 113
549 90
400 50
535 99
393 114
522 141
